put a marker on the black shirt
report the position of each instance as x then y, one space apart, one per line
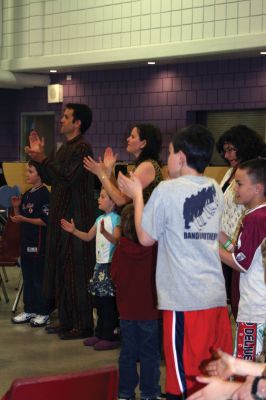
34 204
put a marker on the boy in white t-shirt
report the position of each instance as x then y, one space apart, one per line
183 214
247 258
107 232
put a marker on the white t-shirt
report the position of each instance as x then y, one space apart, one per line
104 248
248 256
183 215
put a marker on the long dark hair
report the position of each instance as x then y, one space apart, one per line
153 138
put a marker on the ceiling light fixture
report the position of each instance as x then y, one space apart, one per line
263 52
151 63
53 71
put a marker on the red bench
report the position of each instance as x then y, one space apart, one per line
95 384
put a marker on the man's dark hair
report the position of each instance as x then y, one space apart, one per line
248 143
82 113
128 223
197 143
256 169
153 138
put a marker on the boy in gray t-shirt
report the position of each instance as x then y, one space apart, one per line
183 215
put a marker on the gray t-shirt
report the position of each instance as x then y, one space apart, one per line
183 215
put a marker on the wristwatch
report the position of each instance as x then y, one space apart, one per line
254 388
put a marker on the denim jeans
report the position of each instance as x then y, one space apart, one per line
140 341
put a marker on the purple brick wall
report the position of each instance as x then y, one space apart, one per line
9 140
167 95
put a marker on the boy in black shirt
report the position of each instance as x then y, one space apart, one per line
31 210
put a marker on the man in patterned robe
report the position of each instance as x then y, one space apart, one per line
69 261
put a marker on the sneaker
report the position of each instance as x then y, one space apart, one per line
159 397
106 345
40 320
126 398
91 341
23 318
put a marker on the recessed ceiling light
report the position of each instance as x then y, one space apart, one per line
151 63
53 71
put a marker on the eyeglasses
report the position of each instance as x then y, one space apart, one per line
228 149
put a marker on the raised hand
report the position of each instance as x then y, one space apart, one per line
223 366
16 201
102 227
109 159
215 389
68 226
129 186
36 148
97 168
244 391
35 142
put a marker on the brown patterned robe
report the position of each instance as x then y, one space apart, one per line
69 260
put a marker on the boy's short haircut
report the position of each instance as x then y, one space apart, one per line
256 169
197 143
128 223
37 166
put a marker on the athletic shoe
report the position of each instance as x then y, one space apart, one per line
91 341
126 398
23 318
39 321
106 345
152 398
158 397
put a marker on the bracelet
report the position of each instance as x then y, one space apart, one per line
230 247
228 244
103 177
254 387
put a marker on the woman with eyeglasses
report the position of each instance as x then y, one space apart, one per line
238 144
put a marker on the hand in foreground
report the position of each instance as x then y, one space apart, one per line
36 148
223 366
97 168
68 226
129 186
109 159
17 218
244 391
15 201
102 227
215 389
